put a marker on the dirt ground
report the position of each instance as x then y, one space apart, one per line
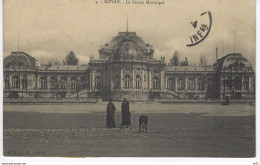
174 130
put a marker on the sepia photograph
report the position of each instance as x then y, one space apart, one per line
129 78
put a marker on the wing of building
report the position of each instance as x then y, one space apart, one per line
126 68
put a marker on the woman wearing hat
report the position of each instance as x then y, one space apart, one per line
125 113
110 114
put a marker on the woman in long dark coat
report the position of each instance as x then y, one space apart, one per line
110 114
125 113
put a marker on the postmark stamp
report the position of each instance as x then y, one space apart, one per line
201 29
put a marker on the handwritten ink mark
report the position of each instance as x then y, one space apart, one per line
194 24
204 28
203 13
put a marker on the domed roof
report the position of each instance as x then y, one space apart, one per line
126 35
234 61
126 46
19 60
127 49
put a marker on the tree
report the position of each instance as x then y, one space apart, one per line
175 60
71 59
203 60
185 63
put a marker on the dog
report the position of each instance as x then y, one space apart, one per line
143 121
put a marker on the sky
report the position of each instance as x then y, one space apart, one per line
51 28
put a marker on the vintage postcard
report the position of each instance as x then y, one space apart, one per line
129 78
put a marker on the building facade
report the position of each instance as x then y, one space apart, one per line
23 78
126 68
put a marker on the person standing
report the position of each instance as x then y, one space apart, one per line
125 113
110 114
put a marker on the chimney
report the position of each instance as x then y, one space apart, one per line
216 54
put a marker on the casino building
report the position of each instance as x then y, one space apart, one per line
126 68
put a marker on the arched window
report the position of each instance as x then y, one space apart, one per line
15 82
84 82
24 82
200 84
7 82
43 83
171 84
72 82
210 83
98 82
156 82
236 66
117 83
138 81
238 83
127 81
246 83
191 84
229 83
180 84
63 82
53 82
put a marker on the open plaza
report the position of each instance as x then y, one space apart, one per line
174 130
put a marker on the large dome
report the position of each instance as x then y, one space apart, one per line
126 35
234 61
126 46
127 49
19 60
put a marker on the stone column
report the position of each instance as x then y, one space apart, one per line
103 73
29 77
251 81
68 84
142 79
242 83
90 80
20 82
10 81
147 80
121 79
38 82
93 80
105 79
111 80
186 82
34 82
58 82
48 82
166 84
196 83
150 80
162 80
133 79
4 82
221 84
176 83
